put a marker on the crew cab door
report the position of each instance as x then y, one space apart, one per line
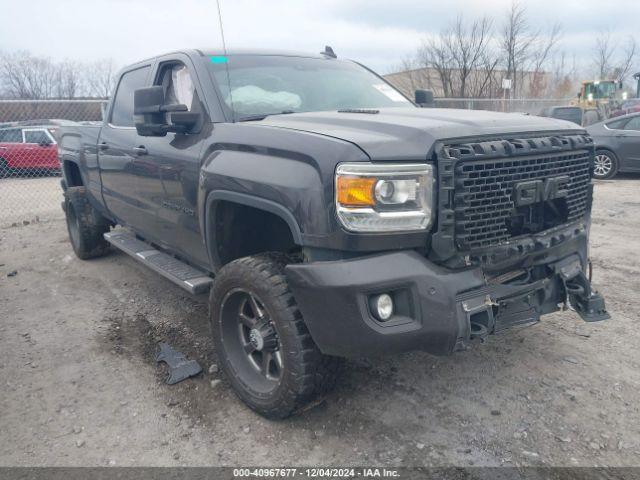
116 154
169 166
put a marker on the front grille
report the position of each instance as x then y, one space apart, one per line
485 174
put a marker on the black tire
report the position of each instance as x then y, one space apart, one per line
302 374
85 225
5 171
605 165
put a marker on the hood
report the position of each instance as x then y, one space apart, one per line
409 133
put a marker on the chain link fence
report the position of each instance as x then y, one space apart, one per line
29 166
30 169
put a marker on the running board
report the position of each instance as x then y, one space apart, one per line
191 279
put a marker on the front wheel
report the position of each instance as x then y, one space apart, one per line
605 165
262 342
4 168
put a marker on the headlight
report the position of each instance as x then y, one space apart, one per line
384 197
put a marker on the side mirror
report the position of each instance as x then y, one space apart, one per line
149 104
182 122
424 98
45 143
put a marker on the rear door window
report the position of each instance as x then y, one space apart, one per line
633 124
36 136
617 125
571 114
13 135
122 110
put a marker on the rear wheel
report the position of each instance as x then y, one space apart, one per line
86 226
262 342
605 165
4 168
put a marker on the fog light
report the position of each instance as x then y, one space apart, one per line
382 306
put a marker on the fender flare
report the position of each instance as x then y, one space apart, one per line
259 203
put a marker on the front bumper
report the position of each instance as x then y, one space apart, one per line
437 310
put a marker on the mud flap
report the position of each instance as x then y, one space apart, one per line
588 303
179 367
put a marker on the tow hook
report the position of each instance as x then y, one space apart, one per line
480 316
480 331
588 303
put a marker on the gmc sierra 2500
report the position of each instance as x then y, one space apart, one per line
329 215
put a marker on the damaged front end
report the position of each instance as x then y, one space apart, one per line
520 297
509 245
518 209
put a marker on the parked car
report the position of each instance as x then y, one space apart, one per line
328 214
27 150
617 144
571 114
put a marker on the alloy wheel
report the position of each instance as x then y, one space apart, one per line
255 350
602 165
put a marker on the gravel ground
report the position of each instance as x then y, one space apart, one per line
80 387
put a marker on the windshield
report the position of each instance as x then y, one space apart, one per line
263 84
601 89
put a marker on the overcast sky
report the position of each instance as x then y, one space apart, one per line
378 33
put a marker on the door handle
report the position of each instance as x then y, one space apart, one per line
140 150
103 146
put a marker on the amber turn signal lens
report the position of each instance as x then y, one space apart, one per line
356 191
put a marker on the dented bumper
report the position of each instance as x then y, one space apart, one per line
437 310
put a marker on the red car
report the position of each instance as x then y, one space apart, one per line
27 150
630 106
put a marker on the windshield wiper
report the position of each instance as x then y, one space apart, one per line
262 116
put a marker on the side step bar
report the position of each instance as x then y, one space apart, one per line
191 279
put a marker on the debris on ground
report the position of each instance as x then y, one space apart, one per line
12 273
180 368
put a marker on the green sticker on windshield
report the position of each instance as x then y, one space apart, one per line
219 59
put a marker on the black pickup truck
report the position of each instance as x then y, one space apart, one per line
329 215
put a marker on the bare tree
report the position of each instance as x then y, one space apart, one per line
541 52
468 48
564 78
627 61
612 61
69 82
26 76
101 78
516 42
434 54
485 79
457 54
603 54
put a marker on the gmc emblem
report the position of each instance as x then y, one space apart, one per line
535 191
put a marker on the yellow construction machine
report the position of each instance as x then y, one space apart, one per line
598 98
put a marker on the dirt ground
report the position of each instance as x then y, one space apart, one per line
27 198
80 387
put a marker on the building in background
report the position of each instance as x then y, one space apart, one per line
478 83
